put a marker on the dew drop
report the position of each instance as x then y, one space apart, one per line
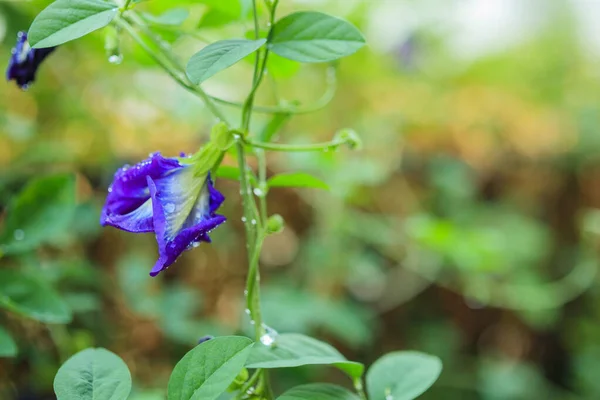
252 322
19 234
246 294
258 192
195 244
243 219
253 222
267 340
115 59
247 310
389 397
169 207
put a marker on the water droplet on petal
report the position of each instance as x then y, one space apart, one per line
19 234
195 244
169 207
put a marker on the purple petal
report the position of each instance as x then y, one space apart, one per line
25 61
128 204
172 243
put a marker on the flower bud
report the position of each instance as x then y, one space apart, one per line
275 224
239 380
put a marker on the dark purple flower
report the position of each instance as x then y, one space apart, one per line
162 195
25 61
205 339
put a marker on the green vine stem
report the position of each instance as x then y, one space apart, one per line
326 146
161 59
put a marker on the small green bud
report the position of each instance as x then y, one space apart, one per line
221 136
275 224
239 380
350 138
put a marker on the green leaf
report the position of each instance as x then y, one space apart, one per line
26 295
310 36
297 179
172 17
294 350
207 370
218 56
228 172
93 374
66 20
8 347
40 213
321 391
402 375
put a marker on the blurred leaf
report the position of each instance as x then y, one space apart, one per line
282 68
93 374
40 212
66 20
218 56
294 350
314 37
8 347
207 370
82 302
297 179
292 310
172 17
141 294
27 296
228 172
320 391
402 375
511 380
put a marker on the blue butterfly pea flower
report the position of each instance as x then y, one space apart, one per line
163 195
25 61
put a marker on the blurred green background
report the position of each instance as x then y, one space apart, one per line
467 227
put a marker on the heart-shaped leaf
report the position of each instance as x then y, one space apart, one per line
218 56
310 36
209 368
294 350
66 20
402 375
93 374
